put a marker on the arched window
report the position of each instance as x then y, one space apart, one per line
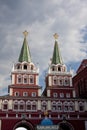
81 106
21 105
5 105
28 106
44 105
59 106
31 79
67 95
54 106
16 94
15 105
55 81
59 68
18 66
19 79
34 106
32 67
25 79
53 68
25 67
33 94
71 106
60 81
61 95
25 94
55 95
66 81
66 106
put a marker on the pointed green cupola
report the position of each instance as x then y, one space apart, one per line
56 59
25 52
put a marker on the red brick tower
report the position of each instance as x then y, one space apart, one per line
58 80
25 75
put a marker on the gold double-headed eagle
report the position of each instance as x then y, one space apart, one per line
55 35
25 33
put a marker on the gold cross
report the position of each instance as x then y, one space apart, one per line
25 33
56 36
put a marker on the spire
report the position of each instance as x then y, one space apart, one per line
56 59
25 52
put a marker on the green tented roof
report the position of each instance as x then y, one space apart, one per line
56 59
25 52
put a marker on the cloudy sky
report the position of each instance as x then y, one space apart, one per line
41 18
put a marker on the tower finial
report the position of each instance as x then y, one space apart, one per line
25 33
56 36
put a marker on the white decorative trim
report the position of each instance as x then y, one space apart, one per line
39 105
10 104
48 93
0 104
70 81
37 81
49 105
85 107
50 81
39 92
11 91
74 93
76 106
13 79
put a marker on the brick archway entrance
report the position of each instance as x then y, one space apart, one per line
24 124
65 126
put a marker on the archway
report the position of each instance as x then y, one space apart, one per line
23 125
21 128
65 126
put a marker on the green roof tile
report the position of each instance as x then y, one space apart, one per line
25 52
56 59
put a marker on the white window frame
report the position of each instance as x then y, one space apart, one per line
61 95
60 81
19 77
55 79
5 102
31 77
55 94
33 94
16 94
66 105
81 104
54 106
59 105
68 81
43 105
34 103
25 77
28 103
15 103
23 104
25 94
67 95
71 105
